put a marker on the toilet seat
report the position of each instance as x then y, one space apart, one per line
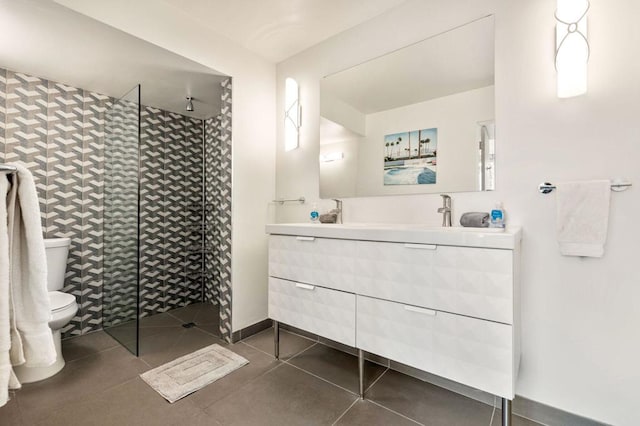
60 301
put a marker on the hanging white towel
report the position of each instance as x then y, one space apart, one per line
24 281
582 217
28 278
5 306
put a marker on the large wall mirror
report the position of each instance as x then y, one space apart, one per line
417 120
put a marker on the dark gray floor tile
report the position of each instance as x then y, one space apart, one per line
365 413
124 333
132 403
284 396
427 403
200 418
79 379
87 344
10 412
336 366
160 320
290 344
200 313
149 326
213 329
517 420
259 364
173 343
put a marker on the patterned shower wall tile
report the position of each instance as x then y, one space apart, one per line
152 204
193 214
216 197
95 106
64 189
165 231
211 134
3 115
121 213
26 127
217 152
59 133
175 207
224 212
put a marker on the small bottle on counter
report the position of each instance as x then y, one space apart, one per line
497 219
314 215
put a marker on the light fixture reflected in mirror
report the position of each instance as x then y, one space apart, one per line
572 47
292 113
331 156
189 106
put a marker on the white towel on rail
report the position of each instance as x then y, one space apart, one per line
28 279
7 378
582 217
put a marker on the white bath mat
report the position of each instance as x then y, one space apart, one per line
189 373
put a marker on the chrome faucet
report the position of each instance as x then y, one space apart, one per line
445 210
338 210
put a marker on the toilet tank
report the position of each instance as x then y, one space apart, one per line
57 251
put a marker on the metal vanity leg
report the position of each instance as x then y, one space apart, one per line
361 372
276 339
506 412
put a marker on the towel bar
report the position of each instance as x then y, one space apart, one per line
8 168
281 201
546 187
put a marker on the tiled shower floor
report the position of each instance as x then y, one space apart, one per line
312 384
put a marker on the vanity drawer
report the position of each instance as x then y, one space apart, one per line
325 312
477 282
319 261
471 351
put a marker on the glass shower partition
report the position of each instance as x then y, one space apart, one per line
120 314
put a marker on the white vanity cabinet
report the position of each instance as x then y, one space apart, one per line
442 300
322 311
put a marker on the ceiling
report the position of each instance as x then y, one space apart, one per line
47 40
278 29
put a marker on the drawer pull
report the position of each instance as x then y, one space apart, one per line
306 238
306 286
421 246
420 310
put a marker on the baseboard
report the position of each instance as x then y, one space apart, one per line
238 335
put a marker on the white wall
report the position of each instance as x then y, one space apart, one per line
581 317
253 130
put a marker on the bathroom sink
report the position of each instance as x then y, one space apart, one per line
409 226
404 233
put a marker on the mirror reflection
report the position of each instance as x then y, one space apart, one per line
417 120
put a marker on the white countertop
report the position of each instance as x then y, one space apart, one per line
404 233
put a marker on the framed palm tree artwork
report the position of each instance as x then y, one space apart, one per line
410 158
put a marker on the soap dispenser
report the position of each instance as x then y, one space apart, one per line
497 217
314 215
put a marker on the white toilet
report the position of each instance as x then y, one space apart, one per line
63 308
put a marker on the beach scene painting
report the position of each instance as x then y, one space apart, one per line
410 158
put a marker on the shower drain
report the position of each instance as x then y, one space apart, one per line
189 324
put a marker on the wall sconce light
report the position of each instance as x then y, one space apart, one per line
572 47
189 106
292 115
331 156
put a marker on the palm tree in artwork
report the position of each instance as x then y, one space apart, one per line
387 150
398 143
426 143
